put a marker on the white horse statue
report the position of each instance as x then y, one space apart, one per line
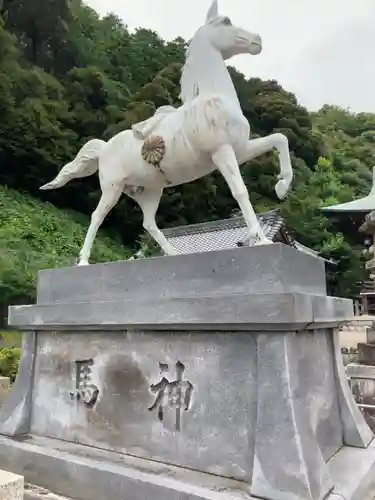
179 145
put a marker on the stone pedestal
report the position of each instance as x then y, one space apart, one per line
362 382
209 376
362 373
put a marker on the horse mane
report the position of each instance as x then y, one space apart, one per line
204 70
190 71
195 75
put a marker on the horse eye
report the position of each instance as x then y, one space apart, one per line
227 21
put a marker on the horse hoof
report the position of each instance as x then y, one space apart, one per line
265 241
171 252
281 188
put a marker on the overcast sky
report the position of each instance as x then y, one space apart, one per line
322 50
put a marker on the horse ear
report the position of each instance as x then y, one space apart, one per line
213 11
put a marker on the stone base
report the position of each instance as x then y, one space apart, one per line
82 472
214 376
11 486
362 381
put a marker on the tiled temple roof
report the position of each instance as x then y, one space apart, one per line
229 233
219 235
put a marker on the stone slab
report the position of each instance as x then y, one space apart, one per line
15 415
283 311
81 472
355 370
215 433
328 310
354 473
265 269
87 473
362 382
292 385
356 432
11 486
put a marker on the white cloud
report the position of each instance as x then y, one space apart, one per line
323 51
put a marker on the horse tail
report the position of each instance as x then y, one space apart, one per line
86 163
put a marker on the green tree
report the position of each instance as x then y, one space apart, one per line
41 26
311 227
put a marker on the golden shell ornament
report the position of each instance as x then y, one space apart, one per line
153 149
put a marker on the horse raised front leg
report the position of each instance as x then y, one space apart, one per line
226 162
257 147
110 197
149 201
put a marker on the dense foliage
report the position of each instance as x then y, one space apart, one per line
67 75
9 362
36 235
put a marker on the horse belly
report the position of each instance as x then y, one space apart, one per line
181 162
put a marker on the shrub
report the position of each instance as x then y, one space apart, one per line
9 362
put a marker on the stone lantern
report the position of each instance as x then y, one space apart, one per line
357 217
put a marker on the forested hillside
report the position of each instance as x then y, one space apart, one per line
67 75
36 235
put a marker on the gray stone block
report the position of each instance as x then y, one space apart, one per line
354 473
356 432
287 311
91 474
362 383
86 473
265 269
327 310
355 370
292 386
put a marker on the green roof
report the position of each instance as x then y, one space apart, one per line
366 204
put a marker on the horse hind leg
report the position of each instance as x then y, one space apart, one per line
149 201
109 198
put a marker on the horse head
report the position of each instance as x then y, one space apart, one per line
228 39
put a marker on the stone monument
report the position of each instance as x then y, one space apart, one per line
208 376
361 373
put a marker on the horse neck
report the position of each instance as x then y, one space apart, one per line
205 72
